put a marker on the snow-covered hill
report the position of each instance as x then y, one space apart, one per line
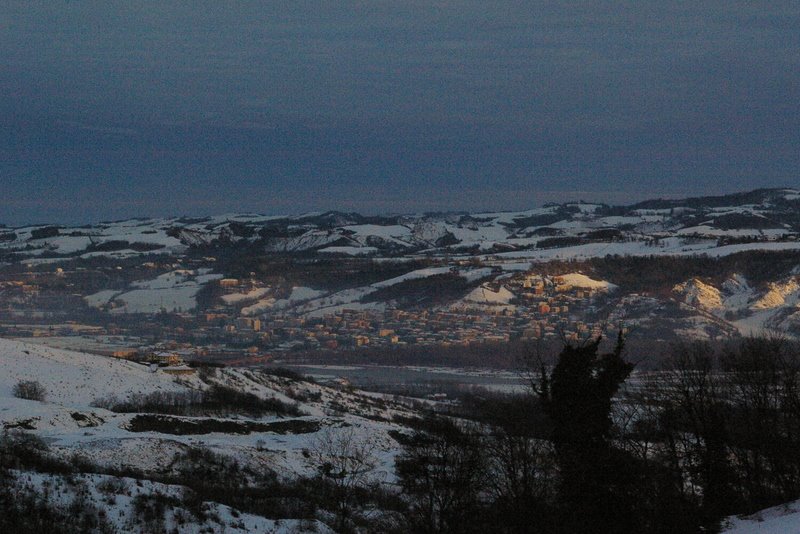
75 378
783 519
121 500
76 382
472 261
72 423
171 291
763 219
749 310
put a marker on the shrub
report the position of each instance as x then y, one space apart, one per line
216 399
30 390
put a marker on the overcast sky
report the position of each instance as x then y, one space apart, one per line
117 109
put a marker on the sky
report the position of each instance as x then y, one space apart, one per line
117 109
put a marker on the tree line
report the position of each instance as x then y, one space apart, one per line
713 433
592 447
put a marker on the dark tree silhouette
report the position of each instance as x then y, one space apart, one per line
442 472
577 396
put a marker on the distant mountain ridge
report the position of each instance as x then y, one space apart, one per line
699 266
762 219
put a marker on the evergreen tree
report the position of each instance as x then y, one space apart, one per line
577 396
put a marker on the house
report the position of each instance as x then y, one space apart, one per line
248 323
166 358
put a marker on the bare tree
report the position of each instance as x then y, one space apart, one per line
443 474
347 461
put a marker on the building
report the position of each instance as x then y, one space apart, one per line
125 354
166 358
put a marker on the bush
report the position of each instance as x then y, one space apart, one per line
173 425
30 390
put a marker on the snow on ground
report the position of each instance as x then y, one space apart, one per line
413 275
298 295
586 208
482 230
72 241
515 266
757 323
171 291
619 220
697 293
101 298
666 247
508 217
755 312
485 295
350 251
783 519
727 250
75 378
65 244
313 239
473 275
394 233
778 294
116 496
484 236
318 303
178 298
119 254
736 292
140 231
253 294
261 306
570 280
736 232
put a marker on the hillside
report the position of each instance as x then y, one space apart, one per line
75 379
763 219
778 519
123 418
251 287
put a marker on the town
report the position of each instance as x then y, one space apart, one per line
247 321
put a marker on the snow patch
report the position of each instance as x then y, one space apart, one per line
567 281
699 294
